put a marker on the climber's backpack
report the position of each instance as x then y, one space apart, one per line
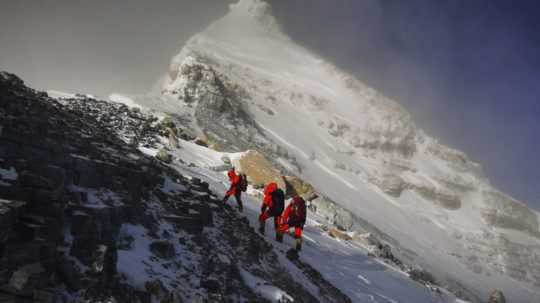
278 202
243 182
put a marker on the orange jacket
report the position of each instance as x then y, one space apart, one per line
268 190
295 213
235 181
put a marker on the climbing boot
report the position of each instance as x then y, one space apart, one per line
298 244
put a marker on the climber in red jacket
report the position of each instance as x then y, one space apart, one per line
235 188
294 216
272 206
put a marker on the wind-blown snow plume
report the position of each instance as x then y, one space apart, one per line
357 147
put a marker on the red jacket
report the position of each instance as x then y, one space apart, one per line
295 213
267 200
235 181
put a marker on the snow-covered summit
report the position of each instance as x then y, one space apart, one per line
250 86
256 9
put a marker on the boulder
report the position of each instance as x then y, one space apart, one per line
343 219
384 251
393 185
163 249
338 234
296 186
156 289
340 217
422 276
164 156
226 160
442 198
496 297
201 142
367 239
324 208
186 136
28 277
258 169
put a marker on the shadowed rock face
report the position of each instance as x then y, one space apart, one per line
219 108
505 212
80 197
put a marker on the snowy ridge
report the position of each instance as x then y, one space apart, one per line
346 264
360 149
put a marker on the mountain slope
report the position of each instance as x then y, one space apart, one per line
244 84
87 217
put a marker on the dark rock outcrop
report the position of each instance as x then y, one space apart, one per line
81 183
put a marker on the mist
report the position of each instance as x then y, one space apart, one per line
467 71
98 46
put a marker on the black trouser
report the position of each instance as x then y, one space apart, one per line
237 197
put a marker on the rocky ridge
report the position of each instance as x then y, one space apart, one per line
86 217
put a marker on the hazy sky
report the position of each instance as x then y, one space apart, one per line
98 46
468 70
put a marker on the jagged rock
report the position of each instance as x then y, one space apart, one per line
201 142
26 278
196 181
164 156
258 169
343 219
68 274
422 276
29 179
340 217
393 185
163 249
367 239
157 289
221 168
185 135
296 186
85 232
226 160
212 285
338 234
384 251
444 199
43 296
504 212
115 185
497 296
10 212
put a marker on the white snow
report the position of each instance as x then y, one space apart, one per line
265 289
8 174
344 264
322 111
131 262
60 94
118 98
